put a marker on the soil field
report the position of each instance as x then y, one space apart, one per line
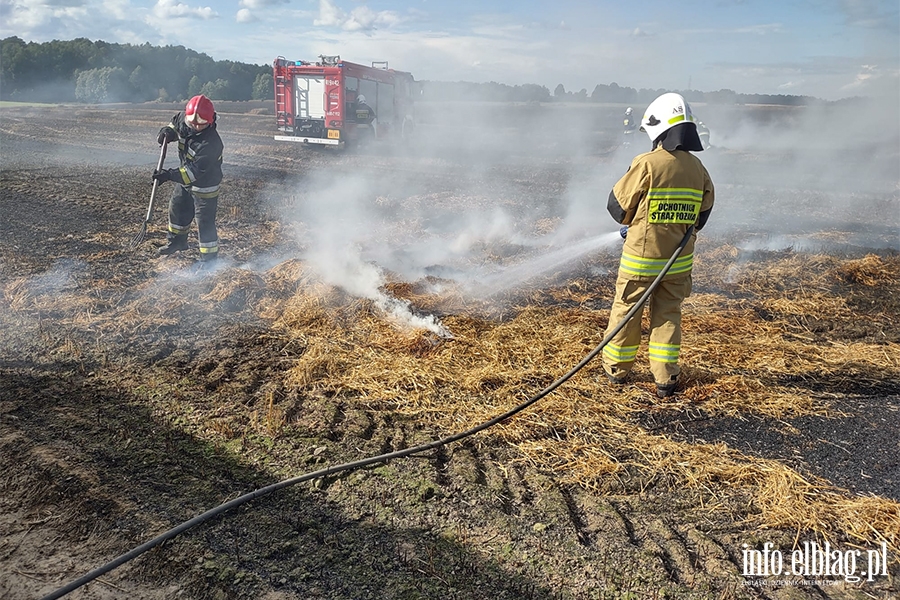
373 301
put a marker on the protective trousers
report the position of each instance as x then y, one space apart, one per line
184 207
665 328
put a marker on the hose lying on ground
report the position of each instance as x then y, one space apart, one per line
374 459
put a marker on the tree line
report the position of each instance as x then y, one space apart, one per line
80 70
612 93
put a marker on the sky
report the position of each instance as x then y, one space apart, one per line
828 49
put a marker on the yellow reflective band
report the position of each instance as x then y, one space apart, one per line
651 267
681 193
620 354
667 353
185 177
676 119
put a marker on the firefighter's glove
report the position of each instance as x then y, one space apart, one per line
162 176
166 135
624 232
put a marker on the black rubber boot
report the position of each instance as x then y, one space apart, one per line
616 380
664 390
209 257
176 244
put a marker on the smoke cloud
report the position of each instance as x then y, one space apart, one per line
360 229
467 203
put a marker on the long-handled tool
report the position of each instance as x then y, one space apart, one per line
137 239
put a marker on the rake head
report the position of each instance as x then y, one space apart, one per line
139 237
142 234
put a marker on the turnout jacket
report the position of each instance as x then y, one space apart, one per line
200 153
662 194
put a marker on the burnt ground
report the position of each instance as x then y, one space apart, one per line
124 378
857 452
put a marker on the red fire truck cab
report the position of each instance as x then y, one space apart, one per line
317 102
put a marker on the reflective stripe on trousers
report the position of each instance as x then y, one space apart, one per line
185 207
665 327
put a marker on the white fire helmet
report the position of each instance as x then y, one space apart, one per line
665 112
628 111
361 99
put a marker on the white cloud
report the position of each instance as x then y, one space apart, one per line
257 4
118 9
329 15
245 16
864 78
40 20
168 9
115 21
361 18
23 16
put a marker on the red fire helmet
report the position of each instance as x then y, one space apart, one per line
200 110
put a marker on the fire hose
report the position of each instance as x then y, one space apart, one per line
202 518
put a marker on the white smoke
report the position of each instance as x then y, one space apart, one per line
359 229
808 178
340 225
465 207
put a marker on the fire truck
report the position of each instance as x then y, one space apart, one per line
318 102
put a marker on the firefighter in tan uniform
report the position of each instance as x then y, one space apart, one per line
630 126
703 132
664 192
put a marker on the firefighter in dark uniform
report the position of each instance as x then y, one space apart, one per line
197 180
664 192
364 113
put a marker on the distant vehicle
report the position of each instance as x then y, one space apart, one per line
316 102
